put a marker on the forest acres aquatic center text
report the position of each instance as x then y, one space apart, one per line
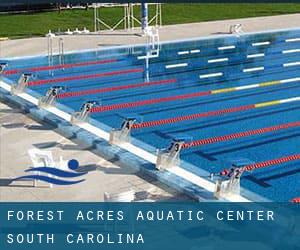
150 215
104 217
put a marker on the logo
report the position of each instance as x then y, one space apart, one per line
55 175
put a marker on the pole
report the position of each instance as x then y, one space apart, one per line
95 17
144 9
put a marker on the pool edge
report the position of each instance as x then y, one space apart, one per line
105 150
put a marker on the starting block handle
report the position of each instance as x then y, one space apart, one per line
122 135
3 65
50 97
84 113
169 157
127 123
22 83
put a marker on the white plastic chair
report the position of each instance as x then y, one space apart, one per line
77 31
85 31
50 34
40 158
69 32
236 29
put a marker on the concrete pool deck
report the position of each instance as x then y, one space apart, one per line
108 177
38 45
19 133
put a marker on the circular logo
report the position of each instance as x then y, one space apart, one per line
73 164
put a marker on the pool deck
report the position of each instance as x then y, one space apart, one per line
38 45
106 176
18 133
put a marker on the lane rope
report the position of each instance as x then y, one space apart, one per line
65 66
160 122
268 163
296 200
263 164
190 117
80 77
188 96
147 102
111 89
240 135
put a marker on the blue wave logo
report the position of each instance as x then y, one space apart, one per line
62 174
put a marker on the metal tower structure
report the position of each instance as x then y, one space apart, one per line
129 20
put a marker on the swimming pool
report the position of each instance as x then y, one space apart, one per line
233 98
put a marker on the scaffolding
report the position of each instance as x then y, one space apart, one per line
129 20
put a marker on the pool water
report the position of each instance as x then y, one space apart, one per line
193 77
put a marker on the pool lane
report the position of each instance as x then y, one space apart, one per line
200 64
187 106
220 44
215 157
239 53
185 86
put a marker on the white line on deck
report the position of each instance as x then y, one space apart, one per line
171 66
211 75
218 60
291 64
292 40
199 181
59 113
226 47
253 69
193 178
261 43
5 86
256 55
290 51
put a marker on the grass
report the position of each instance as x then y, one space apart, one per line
38 24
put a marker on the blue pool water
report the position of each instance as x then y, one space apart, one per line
237 61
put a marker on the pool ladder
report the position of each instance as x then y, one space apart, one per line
153 47
153 41
61 53
50 53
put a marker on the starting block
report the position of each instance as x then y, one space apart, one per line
226 188
122 135
84 113
231 185
50 97
170 157
22 84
